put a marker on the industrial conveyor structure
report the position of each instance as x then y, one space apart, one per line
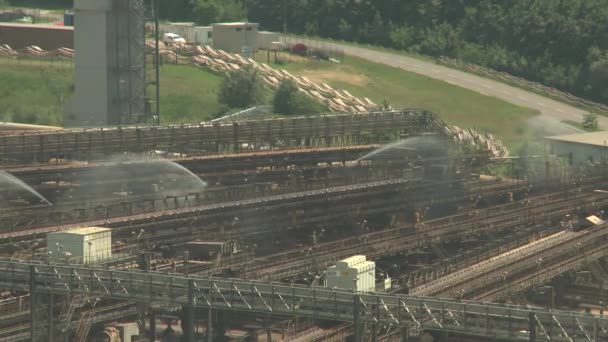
260 135
521 268
408 313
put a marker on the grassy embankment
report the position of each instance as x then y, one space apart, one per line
404 89
36 92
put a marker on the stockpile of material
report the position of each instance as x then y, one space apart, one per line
478 141
35 51
6 50
336 99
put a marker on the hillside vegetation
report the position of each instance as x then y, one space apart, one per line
37 92
560 43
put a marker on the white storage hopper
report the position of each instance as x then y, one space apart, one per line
354 273
83 245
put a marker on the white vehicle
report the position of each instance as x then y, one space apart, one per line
172 38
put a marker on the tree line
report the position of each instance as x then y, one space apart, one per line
560 43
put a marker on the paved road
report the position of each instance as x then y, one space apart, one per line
548 107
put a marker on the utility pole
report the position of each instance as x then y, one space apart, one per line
284 17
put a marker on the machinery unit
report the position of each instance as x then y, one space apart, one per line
83 245
203 250
354 273
128 331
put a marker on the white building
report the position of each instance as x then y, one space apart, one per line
83 245
581 147
266 40
354 273
202 35
236 37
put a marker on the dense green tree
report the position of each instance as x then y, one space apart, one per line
285 98
561 43
240 89
289 101
590 122
206 12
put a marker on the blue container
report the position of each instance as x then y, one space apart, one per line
68 19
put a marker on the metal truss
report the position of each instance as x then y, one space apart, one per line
276 299
264 135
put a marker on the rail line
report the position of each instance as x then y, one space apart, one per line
396 240
328 203
467 282
543 275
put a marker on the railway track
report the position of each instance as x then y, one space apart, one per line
397 240
501 269
544 274
304 209
100 194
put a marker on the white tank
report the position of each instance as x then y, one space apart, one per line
354 273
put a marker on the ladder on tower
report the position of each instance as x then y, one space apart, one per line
67 311
84 327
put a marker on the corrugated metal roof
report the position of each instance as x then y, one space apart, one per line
234 24
595 138
85 231
35 26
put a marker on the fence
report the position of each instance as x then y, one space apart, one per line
325 43
319 47
534 86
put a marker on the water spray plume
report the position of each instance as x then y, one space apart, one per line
137 176
420 143
15 184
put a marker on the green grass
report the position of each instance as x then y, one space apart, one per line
34 92
188 94
404 89
578 125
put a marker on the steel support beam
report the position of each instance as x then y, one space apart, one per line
280 300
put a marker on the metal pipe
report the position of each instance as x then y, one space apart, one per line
157 58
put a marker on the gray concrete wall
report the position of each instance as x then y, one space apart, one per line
91 102
233 38
580 153
109 66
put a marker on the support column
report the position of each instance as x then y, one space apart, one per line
210 325
356 318
374 333
532 328
152 326
405 335
50 315
189 326
220 328
33 297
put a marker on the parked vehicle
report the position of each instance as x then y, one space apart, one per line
172 38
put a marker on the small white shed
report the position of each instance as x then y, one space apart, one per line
83 245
